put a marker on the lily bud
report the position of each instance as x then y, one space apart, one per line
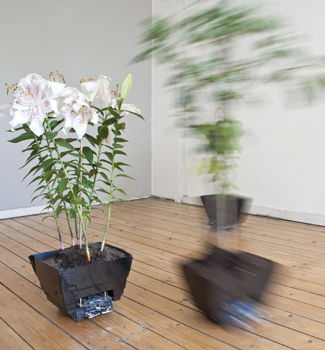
126 86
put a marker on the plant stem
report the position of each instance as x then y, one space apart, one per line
71 234
65 207
111 187
51 198
95 177
80 178
73 196
77 232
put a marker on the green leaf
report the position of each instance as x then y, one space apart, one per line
109 155
105 161
98 201
78 200
50 135
103 132
48 163
55 123
104 176
85 184
28 160
119 152
102 190
119 164
119 139
120 190
36 167
114 113
77 155
109 121
123 175
91 140
40 195
138 115
22 138
89 154
48 216
202 166
65 144
63 184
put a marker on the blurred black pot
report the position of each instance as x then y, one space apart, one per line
224 211
224 278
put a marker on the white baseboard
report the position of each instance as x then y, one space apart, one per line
255 210
15 213
274 213
288 215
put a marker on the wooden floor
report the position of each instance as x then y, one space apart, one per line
156 310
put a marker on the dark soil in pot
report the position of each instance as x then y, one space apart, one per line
74 256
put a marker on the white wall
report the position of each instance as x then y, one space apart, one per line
282 164
81 39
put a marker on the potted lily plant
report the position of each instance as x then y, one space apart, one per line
219 144
218 52
71 167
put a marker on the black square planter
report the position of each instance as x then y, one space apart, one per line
223 211
225 276
64 288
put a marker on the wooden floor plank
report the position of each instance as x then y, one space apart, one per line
156 310
32 326
86 332
9 340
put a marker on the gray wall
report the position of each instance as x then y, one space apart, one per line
81 39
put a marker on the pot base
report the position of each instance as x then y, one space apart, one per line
65 288
224 278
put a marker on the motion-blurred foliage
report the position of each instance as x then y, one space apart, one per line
218 52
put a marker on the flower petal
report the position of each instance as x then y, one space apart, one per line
50 105
104 91
20 117
4 106
90 89
53 89
36 120
79 120
126 108
72 99
33 84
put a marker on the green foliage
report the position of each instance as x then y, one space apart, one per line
70 175
218 52
220 143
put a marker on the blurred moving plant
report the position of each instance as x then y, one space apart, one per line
69 173
219 51
221 143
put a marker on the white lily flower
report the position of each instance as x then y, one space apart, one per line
29 106
4 106
77 112
79 120
73 99
104 91
53 89
126 108
90 89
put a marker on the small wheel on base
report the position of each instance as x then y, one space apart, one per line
78 315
